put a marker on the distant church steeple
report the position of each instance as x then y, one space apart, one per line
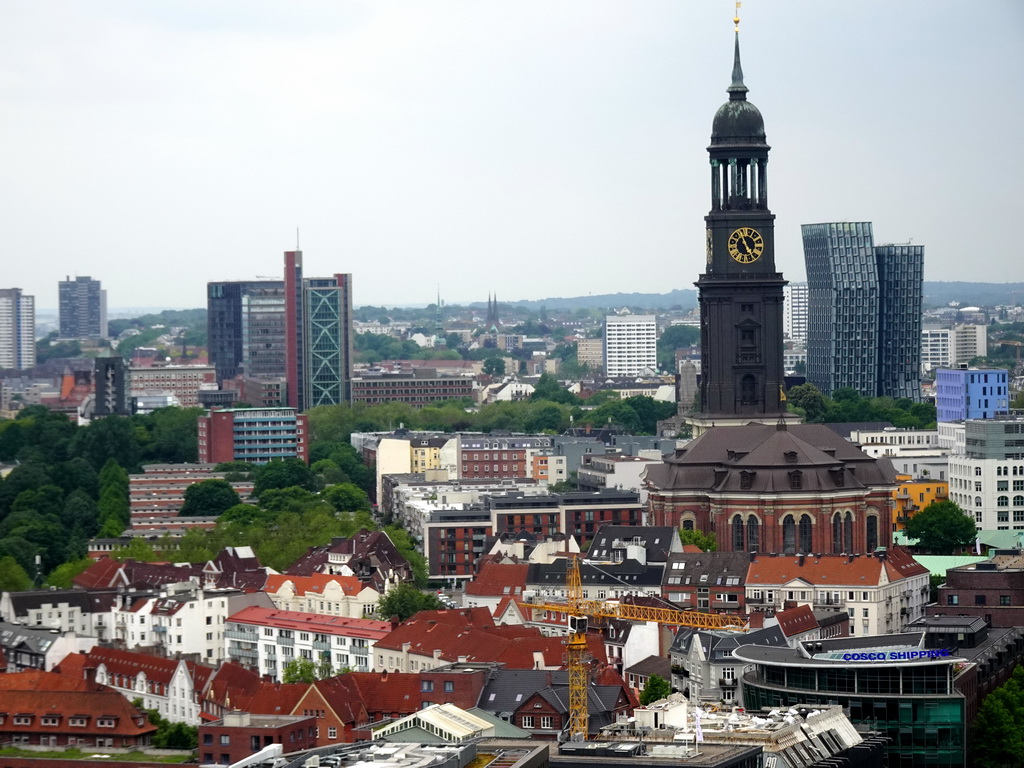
492 320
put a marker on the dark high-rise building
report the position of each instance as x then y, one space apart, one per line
113 396
740 292
225 322
83 309
863 311
318 330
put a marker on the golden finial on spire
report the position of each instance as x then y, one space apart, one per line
736 18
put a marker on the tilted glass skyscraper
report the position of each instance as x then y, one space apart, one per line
863 311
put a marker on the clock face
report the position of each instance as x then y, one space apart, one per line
746 245
711 248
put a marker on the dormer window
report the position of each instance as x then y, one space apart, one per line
746 480
790 457
796 479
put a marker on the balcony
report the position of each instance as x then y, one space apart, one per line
237 634
727 682
321 645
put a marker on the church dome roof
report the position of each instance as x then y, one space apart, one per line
737 121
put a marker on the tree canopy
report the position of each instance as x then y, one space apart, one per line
706 541
942 528
209 498
655 689
404 600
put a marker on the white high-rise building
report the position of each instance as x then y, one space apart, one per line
17 329
630 344
794 314
936 349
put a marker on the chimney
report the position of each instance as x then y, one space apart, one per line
90 674
800 560
756 620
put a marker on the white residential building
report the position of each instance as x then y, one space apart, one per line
630 344
882 593
794 316
265 640
936 349
987 480
17 329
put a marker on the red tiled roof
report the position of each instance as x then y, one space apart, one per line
343 696
313 622
796 620
315 583
389 691
495 579
99 575
270 698
229 681
32 693
125 663
829 570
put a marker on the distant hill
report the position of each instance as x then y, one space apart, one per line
680 299
973 294
935 294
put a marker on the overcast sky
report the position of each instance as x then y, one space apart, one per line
534 148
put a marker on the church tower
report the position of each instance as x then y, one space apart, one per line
740 293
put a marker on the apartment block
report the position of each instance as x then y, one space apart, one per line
252 435
630 344
265 640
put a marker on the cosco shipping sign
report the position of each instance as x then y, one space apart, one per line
895 655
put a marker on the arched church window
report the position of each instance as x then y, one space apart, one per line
806 529
737 534
788 535
872 533
848 532
837 533
753 535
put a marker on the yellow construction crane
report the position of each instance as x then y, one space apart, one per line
578 610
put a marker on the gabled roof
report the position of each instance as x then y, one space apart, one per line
315 583
343 696
499 579
834 570
231 681
87 602
657 540
392 692
106 703
712 569
124 663
652 665
794 621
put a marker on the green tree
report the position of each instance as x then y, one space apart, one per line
656 688
299 670
136 549
209 498
62 575
675 337
404 600
169 735
807 400
706 541
12 576
347 497
112 437
942 528
283 473
494 367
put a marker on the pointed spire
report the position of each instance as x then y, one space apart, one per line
737 91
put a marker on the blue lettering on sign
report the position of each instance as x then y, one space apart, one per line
896 655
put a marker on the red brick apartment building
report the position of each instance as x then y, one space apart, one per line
253 435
